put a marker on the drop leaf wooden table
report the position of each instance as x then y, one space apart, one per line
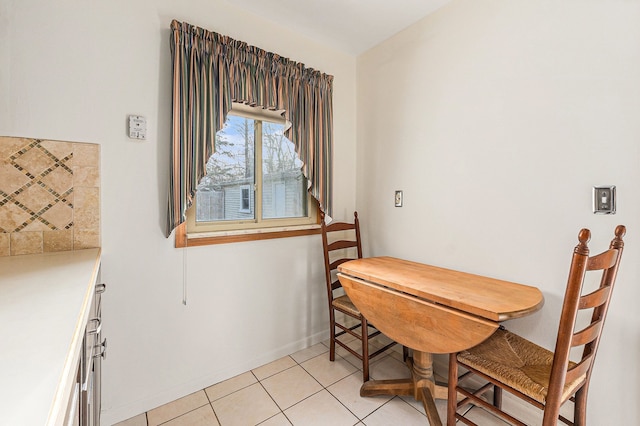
430 310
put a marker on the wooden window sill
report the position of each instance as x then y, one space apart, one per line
209 238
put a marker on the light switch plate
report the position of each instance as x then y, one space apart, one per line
604 199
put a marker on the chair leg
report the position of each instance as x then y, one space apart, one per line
365 349
580 408
452 397
497 397
332 335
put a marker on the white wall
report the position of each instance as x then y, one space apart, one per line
73 70
496 118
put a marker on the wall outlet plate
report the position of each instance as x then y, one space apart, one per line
604 199
398 198
137 127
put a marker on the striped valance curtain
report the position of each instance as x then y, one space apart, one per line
210 71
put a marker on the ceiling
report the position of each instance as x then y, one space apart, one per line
351 26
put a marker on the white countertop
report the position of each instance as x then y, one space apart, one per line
44 304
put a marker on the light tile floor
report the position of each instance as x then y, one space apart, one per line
304 388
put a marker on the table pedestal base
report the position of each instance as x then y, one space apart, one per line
421 386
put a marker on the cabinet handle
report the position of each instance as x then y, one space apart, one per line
98 327
103 351
101 288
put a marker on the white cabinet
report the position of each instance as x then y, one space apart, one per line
44 379
83 408
95 349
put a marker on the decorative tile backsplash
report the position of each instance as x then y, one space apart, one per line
49 196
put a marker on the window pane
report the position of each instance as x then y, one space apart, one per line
226 192
284 188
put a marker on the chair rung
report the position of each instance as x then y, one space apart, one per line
374 334
348 330
465 420
383 349
489 407
354 353
484 389
465 376
478 392
566 421
507 388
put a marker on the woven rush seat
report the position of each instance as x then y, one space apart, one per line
518 363
344 304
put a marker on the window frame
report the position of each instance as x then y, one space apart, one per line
192 233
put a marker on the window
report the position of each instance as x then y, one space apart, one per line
244 199
254 183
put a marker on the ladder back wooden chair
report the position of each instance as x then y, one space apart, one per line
543 378
341 242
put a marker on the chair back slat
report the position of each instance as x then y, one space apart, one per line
579 369
603 260
335 285
587 335
597 298
342 244
334 265
340 226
